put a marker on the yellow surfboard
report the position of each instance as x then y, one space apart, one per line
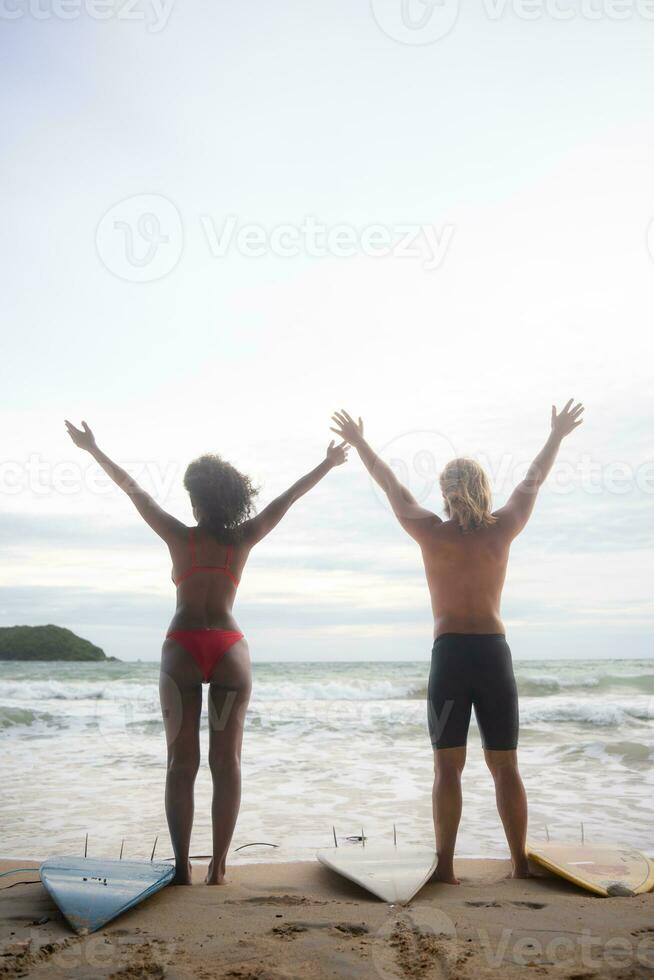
604 869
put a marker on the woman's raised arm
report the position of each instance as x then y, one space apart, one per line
258 527
163 523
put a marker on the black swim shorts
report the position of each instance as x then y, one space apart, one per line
472 670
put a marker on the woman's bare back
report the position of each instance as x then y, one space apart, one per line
206 571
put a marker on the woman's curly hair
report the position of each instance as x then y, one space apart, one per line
223 496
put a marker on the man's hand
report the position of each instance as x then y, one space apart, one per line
83 437
337 455
347 429
567 419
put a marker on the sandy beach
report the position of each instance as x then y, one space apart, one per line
299 920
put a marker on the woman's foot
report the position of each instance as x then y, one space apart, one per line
215 877
183 875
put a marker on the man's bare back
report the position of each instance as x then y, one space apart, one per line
465 574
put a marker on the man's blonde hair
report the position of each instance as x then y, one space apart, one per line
467 494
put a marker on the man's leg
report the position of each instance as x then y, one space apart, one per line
447 802
511 805
498 717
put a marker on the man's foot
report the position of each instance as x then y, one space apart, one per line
214 877
521 871
445 873
183 875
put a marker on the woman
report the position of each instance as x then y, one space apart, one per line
465 560
204 643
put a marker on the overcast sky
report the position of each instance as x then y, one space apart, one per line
222 221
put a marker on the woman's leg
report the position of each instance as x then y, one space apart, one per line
229 694
180 692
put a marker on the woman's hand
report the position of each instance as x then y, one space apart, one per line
347 429
83 437
567 419
336 455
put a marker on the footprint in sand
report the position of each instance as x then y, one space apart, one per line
417 954
273 900
352 929
142 963
288 931
415 943
499 905
247 972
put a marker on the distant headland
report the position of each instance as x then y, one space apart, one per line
46 643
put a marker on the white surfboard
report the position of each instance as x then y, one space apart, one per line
92 891
393 873
604 869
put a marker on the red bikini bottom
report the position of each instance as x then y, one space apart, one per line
206 646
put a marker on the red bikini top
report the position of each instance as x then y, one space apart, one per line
215 569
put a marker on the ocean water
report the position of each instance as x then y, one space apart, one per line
326 745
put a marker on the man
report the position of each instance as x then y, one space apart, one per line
465 559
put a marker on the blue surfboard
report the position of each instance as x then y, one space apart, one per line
92 891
